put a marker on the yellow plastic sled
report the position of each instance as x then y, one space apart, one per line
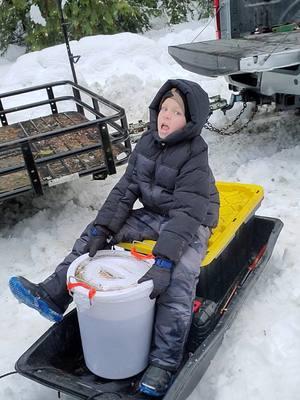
238 203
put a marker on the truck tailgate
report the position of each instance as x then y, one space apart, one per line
253 53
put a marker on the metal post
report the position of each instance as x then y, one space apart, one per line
51 97
2 115
107 150
32 168
73 59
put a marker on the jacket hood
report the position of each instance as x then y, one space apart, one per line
198 106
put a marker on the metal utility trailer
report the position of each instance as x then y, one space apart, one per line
73 132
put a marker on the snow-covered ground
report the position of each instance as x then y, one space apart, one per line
260 356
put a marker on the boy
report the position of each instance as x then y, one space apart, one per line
168 172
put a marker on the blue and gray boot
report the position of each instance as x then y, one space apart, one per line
155 381
36 297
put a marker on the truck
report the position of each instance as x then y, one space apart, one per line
257 50
72 132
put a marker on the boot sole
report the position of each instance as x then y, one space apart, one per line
24 296
151 392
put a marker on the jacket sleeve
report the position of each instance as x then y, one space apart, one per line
121 199
191 202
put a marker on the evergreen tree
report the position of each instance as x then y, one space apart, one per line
86 17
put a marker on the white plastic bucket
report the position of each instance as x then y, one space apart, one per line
116 319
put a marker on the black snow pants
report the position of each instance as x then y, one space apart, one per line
173 308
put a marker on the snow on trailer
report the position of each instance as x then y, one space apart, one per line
84 134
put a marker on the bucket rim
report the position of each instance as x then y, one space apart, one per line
135 290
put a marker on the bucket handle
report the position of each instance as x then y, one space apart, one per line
140 256
92 290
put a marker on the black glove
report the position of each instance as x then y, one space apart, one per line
160 273
97 240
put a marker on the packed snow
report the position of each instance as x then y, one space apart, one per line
260 355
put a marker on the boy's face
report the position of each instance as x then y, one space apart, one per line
170 118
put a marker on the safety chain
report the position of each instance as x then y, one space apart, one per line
136 130
225 131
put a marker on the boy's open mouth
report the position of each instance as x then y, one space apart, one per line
164 127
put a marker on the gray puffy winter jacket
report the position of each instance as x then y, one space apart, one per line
169 176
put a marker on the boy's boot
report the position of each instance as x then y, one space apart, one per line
35 297
155 381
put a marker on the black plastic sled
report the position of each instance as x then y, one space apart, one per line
56 359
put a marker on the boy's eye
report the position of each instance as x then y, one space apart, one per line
175 112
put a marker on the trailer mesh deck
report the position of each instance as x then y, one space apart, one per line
75 140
